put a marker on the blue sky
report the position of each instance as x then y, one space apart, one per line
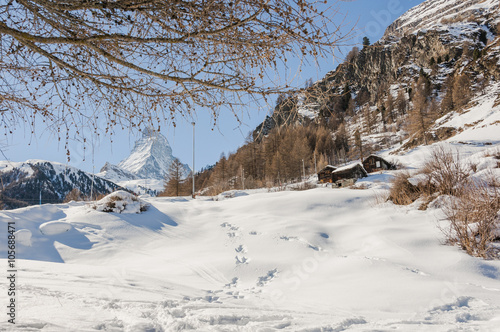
371 17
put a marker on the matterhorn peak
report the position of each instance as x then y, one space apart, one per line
151 156
149 132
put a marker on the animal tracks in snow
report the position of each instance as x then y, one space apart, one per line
233 231
264 280
298 239
241 249
241 259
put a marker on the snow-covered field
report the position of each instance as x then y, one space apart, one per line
315 260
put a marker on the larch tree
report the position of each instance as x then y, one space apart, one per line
447 104
130 63
358 143
389 107
174 179
369 118
461 90
401 103
341 142
419 119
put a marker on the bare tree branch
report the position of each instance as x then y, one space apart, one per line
146 61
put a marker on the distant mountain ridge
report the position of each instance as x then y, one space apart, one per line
28 183
115 173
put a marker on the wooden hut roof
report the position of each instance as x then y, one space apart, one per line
376 157
348 167
328 167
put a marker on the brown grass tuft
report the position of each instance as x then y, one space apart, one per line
402 191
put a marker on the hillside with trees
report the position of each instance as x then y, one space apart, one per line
397 92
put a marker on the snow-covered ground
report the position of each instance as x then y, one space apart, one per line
317 260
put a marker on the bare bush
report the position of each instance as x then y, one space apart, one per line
474 219
402 191
216 189
447 174
303 186
74 195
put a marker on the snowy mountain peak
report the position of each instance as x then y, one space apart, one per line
149 132
434 13
150 158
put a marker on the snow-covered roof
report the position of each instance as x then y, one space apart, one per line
329 166
348 167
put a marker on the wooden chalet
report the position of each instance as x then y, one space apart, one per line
375 163
325 175
347 175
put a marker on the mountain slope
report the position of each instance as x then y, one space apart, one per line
434 76
434 14
439 39
116 174
150 158
25 183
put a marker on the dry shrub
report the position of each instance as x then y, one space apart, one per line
447 174
474 219
360 186
380 197
101 196
111 204
74 195
303 186
443 174
216 189
456 18
402 191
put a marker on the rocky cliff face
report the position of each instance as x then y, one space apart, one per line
416 38
437 37
431 15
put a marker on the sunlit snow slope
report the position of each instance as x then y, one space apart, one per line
433 14
316 260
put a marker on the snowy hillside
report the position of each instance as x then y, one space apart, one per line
316 260
439 14
26 183
115 173
150 158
